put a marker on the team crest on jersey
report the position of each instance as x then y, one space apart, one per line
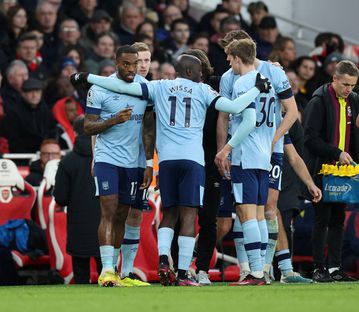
105 185
349 111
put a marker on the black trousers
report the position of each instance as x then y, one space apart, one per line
81 269
287 217
207 220
328 227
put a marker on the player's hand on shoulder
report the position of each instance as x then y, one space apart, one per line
276 64
79 78
262 84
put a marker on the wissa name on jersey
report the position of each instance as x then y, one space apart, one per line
180 88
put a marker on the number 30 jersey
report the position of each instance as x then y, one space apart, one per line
255 150
181 106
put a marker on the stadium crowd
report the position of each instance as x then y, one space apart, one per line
44 43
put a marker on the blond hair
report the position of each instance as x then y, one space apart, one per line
140 46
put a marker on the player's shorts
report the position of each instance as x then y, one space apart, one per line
275 173
227 203
141 195
114 180
250 186
181 183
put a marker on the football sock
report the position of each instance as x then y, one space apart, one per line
129 248
238 242
272 226
106 252
164 236
252 244
185 252
284 261
264 238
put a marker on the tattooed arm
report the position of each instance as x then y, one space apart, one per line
95 125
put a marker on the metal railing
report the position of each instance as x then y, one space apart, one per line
297 33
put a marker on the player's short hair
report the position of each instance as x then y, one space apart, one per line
346 67
245 49
140 46
125 49
233 35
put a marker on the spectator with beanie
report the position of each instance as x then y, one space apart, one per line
100 22
268 34
331 136
75 188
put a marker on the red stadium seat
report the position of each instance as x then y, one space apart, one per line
52 218
44 197
17 197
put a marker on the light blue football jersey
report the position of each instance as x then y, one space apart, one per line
118 145
181 106
280 84
255 150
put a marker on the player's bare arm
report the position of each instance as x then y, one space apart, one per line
95 125
302 172
222 134
291 115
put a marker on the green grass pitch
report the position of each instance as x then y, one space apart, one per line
336 297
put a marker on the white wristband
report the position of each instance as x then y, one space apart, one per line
149 163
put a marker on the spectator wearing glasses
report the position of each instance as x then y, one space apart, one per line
49 149
69 33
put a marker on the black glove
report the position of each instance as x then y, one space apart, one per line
262 84
79 78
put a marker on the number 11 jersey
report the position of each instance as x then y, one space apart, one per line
181 107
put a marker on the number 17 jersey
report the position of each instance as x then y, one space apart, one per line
181 107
